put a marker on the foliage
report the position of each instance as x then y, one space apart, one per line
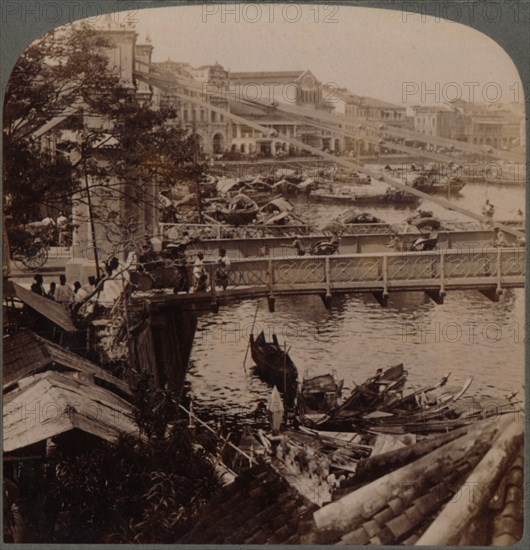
138 490
103 133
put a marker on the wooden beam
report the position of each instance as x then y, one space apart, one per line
437 296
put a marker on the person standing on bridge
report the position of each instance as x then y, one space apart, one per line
488 210
199 274
223 269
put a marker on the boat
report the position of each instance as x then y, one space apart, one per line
365 398
353 216
425 220
386 410
317 397
350 195
275 212
241 210
432 179
274 365
436 183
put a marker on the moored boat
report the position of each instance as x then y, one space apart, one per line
274 365
348 195
317 397
241 210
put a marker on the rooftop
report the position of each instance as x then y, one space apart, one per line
258 508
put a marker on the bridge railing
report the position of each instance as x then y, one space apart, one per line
384 270
495 267
175 231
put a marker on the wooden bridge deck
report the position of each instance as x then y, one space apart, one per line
435 273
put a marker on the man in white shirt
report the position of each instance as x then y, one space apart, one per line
63 293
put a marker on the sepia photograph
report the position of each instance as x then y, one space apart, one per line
263 273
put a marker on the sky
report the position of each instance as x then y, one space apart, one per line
401 58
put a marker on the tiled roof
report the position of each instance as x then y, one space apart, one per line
258 508
508 503
500 522
398 507
400 520
26 354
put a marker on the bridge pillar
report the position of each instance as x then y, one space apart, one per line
326 300
381 297
162 345
437 296
492 294
270 301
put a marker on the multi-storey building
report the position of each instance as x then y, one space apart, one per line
298 88
492 124
438 121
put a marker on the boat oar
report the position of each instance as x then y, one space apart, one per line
248 343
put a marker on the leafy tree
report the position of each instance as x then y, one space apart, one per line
64 80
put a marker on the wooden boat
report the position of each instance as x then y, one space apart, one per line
274 365
415 413
348 195
241 210
367 397
430 179
317 397
425 220
435 183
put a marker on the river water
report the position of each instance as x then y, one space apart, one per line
468 335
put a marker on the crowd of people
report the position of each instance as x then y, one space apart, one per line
200 275
62 292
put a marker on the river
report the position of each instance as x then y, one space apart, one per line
467 336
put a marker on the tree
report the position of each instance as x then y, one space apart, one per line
62 88
143 488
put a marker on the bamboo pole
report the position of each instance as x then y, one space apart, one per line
237 449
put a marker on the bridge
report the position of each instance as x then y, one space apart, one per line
253 241
489 270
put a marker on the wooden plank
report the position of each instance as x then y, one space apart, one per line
53 311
